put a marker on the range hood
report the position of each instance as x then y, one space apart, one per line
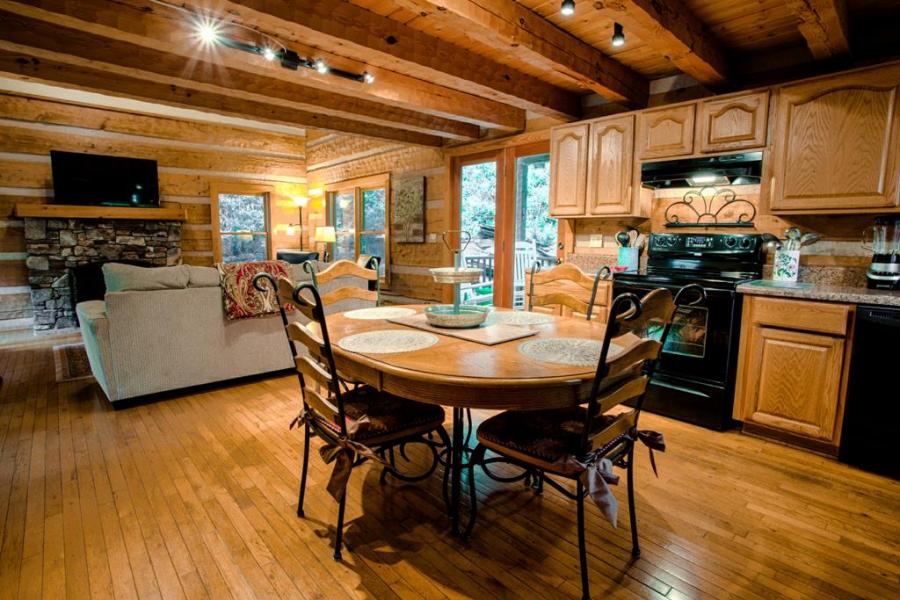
730 169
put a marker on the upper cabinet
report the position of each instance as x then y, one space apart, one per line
836 143
568 170
665 132
734 123
610 166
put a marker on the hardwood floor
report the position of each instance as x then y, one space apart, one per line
194 495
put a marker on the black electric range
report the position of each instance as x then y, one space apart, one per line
694 380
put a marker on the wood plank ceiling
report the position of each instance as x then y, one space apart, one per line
445 70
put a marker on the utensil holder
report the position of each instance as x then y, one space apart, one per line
630 258
786 266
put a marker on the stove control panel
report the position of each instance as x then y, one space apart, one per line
704 243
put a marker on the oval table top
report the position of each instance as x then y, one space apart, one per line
456 372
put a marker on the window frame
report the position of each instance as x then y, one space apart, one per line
217 188
358 187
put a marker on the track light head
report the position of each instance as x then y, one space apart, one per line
321 67
368 77
269 54
618 38
568 8
208 31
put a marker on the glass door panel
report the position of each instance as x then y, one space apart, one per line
478 213
536 232
344 225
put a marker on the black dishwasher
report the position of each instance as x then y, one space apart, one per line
872 413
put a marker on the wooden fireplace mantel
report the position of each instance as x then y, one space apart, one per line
68 211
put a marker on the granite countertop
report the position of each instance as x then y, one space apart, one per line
828 292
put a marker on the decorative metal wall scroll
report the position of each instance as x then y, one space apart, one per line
703 209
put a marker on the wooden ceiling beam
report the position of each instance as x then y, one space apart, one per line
34 32
513 28
823 23
352 31
165 28
671 29
32 64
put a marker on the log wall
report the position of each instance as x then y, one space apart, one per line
335 158
190 154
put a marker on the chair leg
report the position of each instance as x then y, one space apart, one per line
339 535
582 549
635 546
303 470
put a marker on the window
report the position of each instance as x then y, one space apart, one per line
358 211
240 222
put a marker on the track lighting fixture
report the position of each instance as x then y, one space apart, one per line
568 8
209 32
618 38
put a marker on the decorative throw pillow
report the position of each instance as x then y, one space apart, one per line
131 278
242 300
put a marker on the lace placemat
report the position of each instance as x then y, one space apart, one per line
578 352
379 312
517 317
388 341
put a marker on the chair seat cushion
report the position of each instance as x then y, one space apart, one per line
550 439
376 417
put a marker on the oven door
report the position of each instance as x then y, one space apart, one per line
699 345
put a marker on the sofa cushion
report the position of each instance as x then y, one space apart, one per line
129 278
204 277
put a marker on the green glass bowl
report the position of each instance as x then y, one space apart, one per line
443 315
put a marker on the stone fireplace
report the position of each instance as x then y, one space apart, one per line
55 246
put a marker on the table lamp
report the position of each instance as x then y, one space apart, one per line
325 235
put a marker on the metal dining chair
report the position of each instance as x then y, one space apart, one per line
584 442
356 422
564 285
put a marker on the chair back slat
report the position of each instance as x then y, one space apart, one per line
349 293
321 404
563 285
623 423
345 268
286 297
657 306
628 389
638 352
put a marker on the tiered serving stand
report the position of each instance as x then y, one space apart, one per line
456 315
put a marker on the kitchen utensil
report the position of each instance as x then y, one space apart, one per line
770 240
793 238
640 240
623 238
633 236
809 238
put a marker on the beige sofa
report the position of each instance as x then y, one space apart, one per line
165 335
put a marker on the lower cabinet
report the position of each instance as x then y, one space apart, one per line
792 370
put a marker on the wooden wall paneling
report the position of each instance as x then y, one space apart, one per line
732 123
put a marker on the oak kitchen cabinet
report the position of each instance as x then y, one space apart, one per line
666 132
568 170
732 123
837 143
610 166
792 369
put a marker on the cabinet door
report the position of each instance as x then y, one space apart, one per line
568 170
666 132
794 382
733 123
836 143
610 166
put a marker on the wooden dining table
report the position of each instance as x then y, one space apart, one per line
464 374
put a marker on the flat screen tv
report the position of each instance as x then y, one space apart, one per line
103 180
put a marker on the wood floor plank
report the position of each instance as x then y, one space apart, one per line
194 495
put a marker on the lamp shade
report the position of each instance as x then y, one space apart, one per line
300 201
325 234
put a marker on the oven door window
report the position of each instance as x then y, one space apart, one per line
687 337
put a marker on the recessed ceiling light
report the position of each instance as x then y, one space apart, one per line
567 8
